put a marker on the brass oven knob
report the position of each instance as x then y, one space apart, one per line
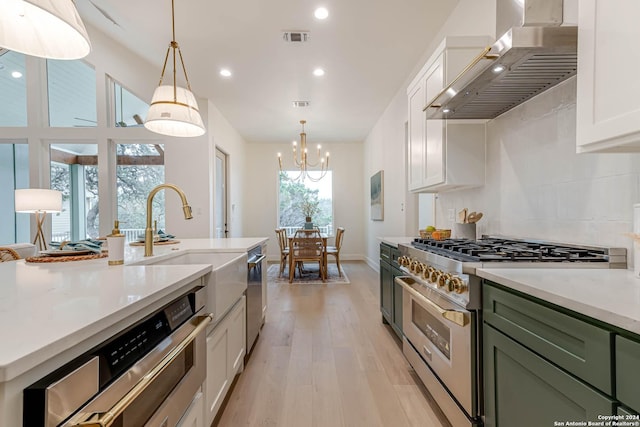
415 266
404 260
426 271
435 275
443 280
458 285
421 268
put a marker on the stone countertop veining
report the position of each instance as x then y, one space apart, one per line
395 241
47 308
609 295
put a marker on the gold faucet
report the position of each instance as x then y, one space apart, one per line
148 232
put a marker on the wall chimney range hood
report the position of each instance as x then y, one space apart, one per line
534 54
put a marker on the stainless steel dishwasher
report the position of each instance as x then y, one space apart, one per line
256 279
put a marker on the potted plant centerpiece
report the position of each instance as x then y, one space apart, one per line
309 209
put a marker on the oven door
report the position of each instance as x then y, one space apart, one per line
442 333
158 389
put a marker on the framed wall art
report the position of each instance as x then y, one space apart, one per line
377 196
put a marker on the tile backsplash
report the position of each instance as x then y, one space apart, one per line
538 187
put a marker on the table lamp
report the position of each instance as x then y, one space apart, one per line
39 201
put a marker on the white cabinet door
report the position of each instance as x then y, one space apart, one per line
218 380
435 161
237 338
444 154
415 149
608 97
226 345
195 414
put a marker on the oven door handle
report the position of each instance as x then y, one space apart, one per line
106 419
460 318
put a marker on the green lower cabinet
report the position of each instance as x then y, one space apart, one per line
386 291
628 372
522 389
396 323
626 411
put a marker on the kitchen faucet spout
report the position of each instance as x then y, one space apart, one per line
148 232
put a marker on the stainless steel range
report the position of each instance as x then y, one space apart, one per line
442 300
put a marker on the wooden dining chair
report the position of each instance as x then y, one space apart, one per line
335 250
283 242
8 254
306 249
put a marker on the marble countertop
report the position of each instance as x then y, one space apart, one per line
395 241
609 295
47 308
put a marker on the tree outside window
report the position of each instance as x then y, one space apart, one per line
300 198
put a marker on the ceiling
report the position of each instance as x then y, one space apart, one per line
367 48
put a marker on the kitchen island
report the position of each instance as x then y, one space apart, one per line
53 312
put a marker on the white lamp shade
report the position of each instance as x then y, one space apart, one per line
45 28
38 200
174 117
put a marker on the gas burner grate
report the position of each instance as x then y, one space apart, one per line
505 250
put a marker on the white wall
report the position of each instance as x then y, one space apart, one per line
349 193
538 187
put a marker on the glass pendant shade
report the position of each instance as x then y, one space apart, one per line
174 117
44 28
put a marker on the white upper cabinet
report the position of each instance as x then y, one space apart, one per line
608 97
444 155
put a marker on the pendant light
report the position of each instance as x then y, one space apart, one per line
174 110
44 28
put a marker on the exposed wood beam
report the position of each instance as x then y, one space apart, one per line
122 160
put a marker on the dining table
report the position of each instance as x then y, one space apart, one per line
311 234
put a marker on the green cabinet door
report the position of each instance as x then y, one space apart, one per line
522 389
396 324
628 414
386 291
579 347
627 372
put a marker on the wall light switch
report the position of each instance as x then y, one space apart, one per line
451 215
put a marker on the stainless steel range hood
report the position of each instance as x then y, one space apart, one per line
535 54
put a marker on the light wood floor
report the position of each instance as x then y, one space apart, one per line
324 358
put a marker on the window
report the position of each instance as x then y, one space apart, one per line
294 194
13 90
72 94
129 109
74 172
140 168
14 173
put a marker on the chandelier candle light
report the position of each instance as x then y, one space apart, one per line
174 110
302 161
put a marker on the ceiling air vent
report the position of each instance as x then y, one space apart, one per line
296 36
300 104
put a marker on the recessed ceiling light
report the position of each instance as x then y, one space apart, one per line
321 13
16 74
318 72
225 72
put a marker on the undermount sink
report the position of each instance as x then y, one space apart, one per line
225 284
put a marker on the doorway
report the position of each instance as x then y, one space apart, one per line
220 208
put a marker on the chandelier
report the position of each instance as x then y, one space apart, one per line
301 159
174 110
